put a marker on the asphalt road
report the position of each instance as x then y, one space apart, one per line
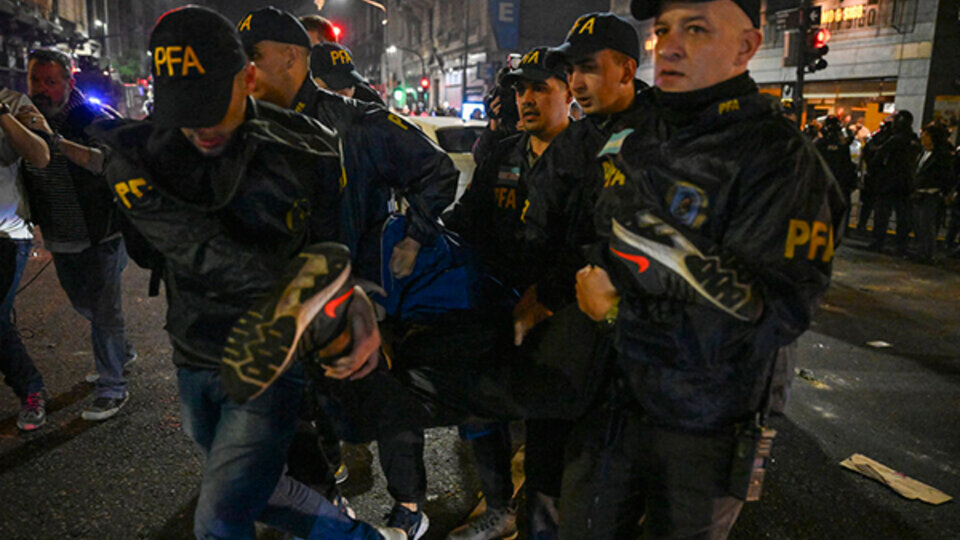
136 476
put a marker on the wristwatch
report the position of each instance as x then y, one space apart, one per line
4 109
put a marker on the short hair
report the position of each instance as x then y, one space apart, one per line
53 56
939 133
321 25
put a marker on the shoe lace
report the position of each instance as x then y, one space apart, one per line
402 518
489 520
34 402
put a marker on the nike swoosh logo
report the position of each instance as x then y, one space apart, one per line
642 262
331 308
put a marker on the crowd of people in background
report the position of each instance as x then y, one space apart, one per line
897 172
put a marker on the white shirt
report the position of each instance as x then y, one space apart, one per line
12 223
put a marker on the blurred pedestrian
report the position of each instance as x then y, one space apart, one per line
933 179
893 167
17 144
72 204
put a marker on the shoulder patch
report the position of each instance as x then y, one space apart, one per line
615 143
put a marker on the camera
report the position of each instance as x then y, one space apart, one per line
508 114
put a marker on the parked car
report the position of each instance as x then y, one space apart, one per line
456 137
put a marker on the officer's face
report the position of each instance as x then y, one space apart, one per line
212 141
701 44
601 81
274 81
48 86
543 105
345 92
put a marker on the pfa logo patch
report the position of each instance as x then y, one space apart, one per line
688 203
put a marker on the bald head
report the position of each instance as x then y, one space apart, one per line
700 44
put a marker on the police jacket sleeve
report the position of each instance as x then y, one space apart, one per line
784 225
416 167
466 218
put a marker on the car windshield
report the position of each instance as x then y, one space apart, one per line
459 139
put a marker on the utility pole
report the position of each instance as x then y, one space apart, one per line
799 105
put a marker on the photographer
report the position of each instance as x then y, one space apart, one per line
500 105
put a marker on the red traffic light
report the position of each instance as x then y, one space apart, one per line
337 32
821 38
424 83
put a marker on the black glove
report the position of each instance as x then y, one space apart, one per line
664 263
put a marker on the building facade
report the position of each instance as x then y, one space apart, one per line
885 56
457 45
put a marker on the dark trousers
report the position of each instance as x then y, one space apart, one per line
91 280
953 226
492 448
457 372
927 222
887 204
19 372
620 469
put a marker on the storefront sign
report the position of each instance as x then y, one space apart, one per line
838 17
505 15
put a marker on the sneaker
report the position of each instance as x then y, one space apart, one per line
104 407
341 474
669 264
267 339
493 524
415 524
391 533
343 505
33 413
132 356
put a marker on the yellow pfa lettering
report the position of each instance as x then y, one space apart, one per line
729 106
396 120
244 24
612 175
342 57
130 186
531 58
170 56
588 26
523 215
797 235
506 197
814 236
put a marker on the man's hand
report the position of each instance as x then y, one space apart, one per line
31 118
404 257
494 121
596 295
362 331
528 313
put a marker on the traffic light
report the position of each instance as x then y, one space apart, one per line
815 48
424 83
399 96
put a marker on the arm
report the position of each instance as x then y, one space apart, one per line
23 141
88 157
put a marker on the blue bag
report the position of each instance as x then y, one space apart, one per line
444 279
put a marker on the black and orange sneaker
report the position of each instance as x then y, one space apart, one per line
297 319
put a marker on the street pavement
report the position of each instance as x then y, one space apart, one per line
136 476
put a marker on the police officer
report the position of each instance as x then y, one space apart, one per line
383 157
333 69
224 193
488 218
835 149
322 31
893 165
720 224
601 50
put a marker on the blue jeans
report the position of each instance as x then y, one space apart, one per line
91 280
245 448
15 364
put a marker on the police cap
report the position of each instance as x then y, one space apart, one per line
333 63
647 9
271 24
539 64
597 31
196 54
